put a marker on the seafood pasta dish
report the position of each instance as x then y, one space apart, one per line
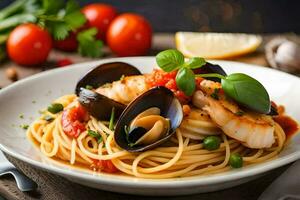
186 118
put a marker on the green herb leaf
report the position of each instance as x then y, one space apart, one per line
74 17
59 30
55 108
112 119
89 87
170 60
75 20
24 126
96 135
247 91
48 118
195 63
88 45
185 81
52 7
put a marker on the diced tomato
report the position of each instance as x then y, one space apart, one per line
184 99
105 166
168 80
171 84
73 121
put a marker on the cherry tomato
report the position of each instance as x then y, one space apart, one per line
73 121
69 44
99 15
106 166
129 35
29 44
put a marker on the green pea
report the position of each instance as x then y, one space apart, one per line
55 108
211 142
235 160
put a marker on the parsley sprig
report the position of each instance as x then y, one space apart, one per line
242 88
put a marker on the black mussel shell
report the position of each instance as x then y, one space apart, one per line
99 106
160 97
106 73
273 111
211 68
135 134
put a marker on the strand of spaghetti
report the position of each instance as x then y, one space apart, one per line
222 165
95 123
161 167
186 142
253 157
36 129
73 152
90 144
64 138
192 136
110 156
49 148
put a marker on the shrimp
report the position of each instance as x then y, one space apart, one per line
252 129
125 90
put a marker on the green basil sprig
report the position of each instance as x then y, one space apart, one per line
242 88
172 59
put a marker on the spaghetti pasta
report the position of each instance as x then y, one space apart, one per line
184 155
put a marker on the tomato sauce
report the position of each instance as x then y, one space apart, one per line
289 125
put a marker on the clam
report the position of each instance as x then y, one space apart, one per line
149 121
100 106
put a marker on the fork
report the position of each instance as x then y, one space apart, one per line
24 183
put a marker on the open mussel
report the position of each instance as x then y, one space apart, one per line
150 120
98 105
106 73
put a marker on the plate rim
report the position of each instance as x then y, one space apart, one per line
140 182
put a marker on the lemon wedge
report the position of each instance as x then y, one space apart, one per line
216 45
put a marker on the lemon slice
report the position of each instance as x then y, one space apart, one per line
216 45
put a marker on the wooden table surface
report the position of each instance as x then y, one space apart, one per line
55 187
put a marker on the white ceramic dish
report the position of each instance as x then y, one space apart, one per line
29 95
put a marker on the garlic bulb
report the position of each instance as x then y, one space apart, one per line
284 55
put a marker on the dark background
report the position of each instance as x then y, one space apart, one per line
250 16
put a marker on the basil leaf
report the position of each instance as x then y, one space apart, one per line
169 60
185 81
195 63
247 91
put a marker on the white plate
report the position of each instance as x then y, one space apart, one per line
19 99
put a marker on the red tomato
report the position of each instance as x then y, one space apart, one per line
29 44
69 44
129 35
72 121
99 15
64 62
106 166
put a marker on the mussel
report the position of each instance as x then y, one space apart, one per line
150 120
211 68
100 106
106 73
